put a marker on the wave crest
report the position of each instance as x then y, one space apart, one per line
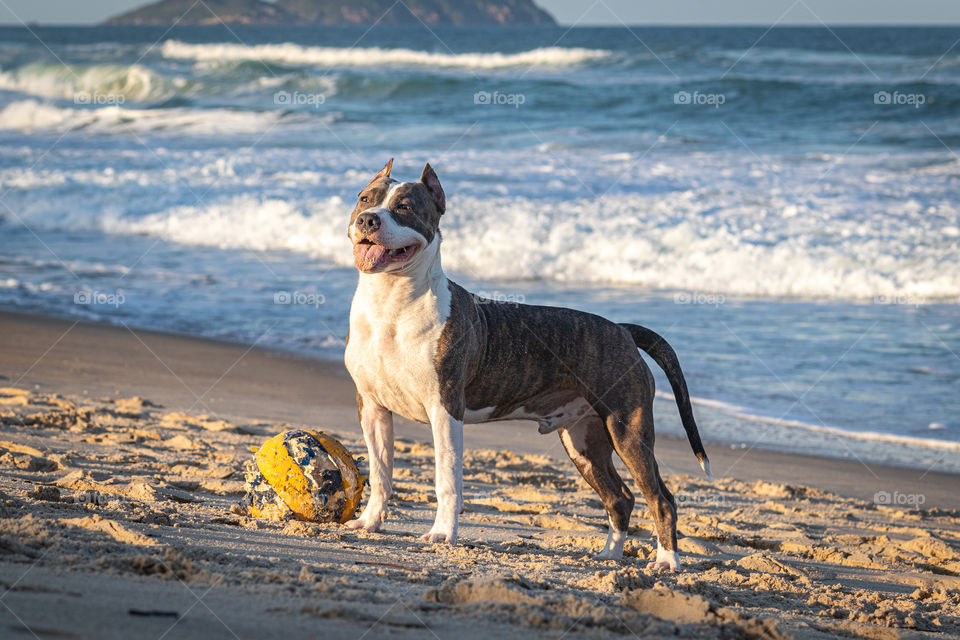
289 53
115 83
30 116
573 249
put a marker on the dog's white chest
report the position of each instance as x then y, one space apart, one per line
392 348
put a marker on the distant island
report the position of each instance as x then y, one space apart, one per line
337 12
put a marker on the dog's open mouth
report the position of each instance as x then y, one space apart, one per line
369 255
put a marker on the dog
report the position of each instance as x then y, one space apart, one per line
421 346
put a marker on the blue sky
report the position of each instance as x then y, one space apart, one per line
760 12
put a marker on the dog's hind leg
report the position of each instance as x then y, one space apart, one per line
588 445
627 409
632 436
666 559
666 492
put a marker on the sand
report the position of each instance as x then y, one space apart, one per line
121 460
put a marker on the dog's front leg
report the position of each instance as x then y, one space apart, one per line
448 451
377 424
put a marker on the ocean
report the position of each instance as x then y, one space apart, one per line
781 204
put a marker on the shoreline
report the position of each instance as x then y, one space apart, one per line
891 447
240 382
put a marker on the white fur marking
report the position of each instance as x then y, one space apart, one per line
394 236
377 425
550 421
395 324
705 465
395 327
564 415
665 560
574 441
473 416
448 448
613 549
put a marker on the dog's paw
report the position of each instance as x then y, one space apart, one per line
369 527
613 549
436 535
369 522
660 567
666 561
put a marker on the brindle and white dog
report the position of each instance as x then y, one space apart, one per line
423 347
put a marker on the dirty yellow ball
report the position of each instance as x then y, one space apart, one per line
303 475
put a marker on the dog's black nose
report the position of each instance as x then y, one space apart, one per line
368 222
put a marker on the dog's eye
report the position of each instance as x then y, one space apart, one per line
364 199
402 207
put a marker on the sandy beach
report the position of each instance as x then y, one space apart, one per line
122 454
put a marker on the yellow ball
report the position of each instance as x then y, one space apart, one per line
306 475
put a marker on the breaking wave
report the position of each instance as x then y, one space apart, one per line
89 83
576 247
293 54
32 116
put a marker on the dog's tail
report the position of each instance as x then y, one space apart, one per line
664 355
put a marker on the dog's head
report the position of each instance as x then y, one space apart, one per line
394 222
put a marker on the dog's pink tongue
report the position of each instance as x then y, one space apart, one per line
368 256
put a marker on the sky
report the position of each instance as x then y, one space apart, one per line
598 12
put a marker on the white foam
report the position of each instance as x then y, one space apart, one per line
249 223
872 436
30 116
573 243
374 57
105 83
714 233
795 57
675 241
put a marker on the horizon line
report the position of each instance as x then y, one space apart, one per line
761 25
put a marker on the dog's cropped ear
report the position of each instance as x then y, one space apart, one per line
384 173
432 182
